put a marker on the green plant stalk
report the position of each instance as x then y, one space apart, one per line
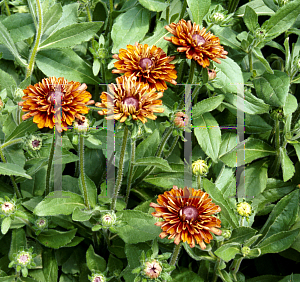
17 191
232 5
130 175
120 170
250 62
168 14
103 72
175 255
158 154
12 142
88 12
93 108
276 163
37 40
215 276
192 71
184 5
49 166
7 8
199 181
209 27
235 267
81 168
172 147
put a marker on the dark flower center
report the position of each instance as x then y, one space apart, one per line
51 96
145 63
6 205
130 101
80 122
199 39
98 279
35 143
42 222
189 213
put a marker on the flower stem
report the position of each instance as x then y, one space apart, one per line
81 167
12 142
276 163
120 170
158 154
199 182
184 5
7 8
250 62
37 40
103 73
50 166
235 267
232 5
192 70
168 14
172 147
130 171
88 12
215 277
17 191
175 255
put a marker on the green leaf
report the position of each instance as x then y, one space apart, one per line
290 105
139 228
278 242
25 126
256 178
273 89
6 39
198 9
291 278
208 135
94 261
258 6
13 169
65 203
297 149
227 37
218 199
254 149
255 124
258 55
157 161
81 215
130 27
5 225
157 38
7 82
228 251
50 268
229 77
229 141
185 275
91 190
282 217
65 63
154 5
287 165
20 26
251 19
71 35
283 19
241 235
196 253
18 241
56 239
206 105
52 15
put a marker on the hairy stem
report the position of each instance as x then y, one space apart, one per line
172 147
50 166
215 276
11 142
276 163
37 40
16 189
235 267
130 175
192 71
232 5
88 12
174 256
168 14
7 8
120 170
81 168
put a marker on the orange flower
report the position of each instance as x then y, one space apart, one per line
130 98
196 43
187 215
40 101
150 65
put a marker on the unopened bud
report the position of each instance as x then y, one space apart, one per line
200 167
109 219
245 251
226 233
181 119
152 269
7 208
211 74
244 209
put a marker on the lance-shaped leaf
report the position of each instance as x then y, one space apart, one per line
13 169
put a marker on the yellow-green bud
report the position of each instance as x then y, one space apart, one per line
245 251
244 209
200 167
7 207
226 233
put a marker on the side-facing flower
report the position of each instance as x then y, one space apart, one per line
187 215
130 98
196 43
150 65
39 101
181 119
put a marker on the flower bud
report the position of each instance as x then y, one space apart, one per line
41 223
24 258
152 269
81 126
226 233
260 33
211 74
97 277
244 209
109 219
245 251
181 119
35 143
218 18
200 167
7 208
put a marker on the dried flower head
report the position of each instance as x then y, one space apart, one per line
200 167
181 119
196 43
152 269
211 74
150 65
130 98
39 101
244 209
187 215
